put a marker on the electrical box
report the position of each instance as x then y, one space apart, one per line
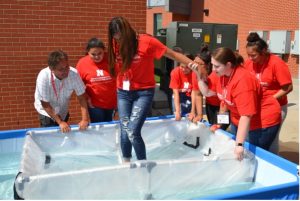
191 35
280 41
262 34
160 64
295 44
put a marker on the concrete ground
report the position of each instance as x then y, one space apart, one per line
289 135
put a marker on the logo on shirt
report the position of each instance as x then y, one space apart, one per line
186 85
100 73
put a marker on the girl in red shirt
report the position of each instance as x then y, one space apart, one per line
131 59
100 86
272 73
241 93
212 102
181 84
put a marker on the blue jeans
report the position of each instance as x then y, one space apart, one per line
262 137
133 107
100 115
185 103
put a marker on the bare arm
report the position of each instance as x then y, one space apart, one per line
83 124
202 84
64 126
177 111
242 132
181 58
285 89
198 104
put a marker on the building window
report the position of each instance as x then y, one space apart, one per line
157 23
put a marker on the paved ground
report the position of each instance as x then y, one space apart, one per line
289 136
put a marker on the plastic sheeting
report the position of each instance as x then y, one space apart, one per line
185 160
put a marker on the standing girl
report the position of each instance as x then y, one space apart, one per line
272 73
131 59
100 86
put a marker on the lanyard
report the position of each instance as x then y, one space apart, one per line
258 74
224 87
54 86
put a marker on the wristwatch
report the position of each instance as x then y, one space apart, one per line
239 144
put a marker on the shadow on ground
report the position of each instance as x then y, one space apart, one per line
290 151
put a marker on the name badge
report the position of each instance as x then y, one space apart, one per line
126 85
56 109
223 118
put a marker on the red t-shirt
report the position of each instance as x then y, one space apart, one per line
273 74
181 81
212 80
242 95
141 71
100 86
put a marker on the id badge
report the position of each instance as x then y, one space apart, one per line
126 85
223 118
56 109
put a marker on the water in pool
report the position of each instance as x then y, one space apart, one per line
9 165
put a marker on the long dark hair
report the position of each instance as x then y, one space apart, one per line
224 55
128 43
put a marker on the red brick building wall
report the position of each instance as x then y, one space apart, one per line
257 15
30 29
248 14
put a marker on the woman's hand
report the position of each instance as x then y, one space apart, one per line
191 116
214 127
239 152
197 118
177 116
116 115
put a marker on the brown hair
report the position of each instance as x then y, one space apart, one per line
55 57
128 43
224 55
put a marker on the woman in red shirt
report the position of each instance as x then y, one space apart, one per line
272 73
131 59
100 86
241 93
212 102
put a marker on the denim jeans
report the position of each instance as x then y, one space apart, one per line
262 137
185 103
133 108
100 115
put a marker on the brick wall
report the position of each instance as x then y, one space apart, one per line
257 15
30 29
248 14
